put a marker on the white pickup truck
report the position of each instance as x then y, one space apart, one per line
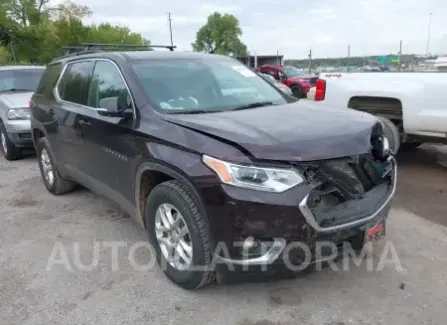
411 106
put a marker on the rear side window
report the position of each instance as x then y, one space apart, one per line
75 82
48 81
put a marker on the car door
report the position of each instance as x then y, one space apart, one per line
72 90
107 139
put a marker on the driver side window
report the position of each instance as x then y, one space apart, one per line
106 82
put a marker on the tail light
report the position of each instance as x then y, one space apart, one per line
320 89
30 103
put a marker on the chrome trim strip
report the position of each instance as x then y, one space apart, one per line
268 258
314 224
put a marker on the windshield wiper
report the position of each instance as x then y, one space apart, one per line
252 105
195 111
13 90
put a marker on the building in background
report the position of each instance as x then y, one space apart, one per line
254 61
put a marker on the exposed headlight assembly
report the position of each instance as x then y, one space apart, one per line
275 180
18 114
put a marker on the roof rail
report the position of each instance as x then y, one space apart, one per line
88 48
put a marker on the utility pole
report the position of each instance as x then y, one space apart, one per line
310 61
400 55
170 28
349 56
428 38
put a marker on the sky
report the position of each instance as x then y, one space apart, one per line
291 27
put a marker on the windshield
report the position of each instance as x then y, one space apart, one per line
292 72
203 85
25 80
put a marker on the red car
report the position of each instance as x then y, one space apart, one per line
299 82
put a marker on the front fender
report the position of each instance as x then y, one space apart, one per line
192 173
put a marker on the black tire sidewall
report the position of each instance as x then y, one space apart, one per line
164 194
13 151
41 144
299 91
392 133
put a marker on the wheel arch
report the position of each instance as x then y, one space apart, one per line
151 174
386 106
37 134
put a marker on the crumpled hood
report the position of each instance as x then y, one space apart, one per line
16 99
301 131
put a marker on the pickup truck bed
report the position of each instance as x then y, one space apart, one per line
416 103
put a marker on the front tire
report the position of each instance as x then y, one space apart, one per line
391 132
9 150
174 224
51 177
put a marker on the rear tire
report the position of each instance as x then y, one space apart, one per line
178 196
297 91
391 132
51 177
9 150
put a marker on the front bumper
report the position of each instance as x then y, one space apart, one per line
19 133
279 220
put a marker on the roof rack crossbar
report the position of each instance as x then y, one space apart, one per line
89 48
120 45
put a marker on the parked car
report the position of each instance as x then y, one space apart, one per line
17 84
410 105
278 85
207 155
297 80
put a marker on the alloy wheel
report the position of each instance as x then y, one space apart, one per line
173 237
47 166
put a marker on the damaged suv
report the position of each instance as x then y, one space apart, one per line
222 169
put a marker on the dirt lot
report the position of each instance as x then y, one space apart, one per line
32 221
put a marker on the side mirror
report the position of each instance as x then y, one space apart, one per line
114 106
108 105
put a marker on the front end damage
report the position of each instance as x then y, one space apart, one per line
349 191
341 200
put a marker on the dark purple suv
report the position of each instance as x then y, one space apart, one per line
225 172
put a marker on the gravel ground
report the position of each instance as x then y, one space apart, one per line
33 222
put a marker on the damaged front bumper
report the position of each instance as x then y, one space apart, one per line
312 221
277 221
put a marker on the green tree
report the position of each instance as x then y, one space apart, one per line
4 55
107 33
221 35
34 31
26 12
69 10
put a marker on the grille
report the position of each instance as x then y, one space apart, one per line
350 177
347 188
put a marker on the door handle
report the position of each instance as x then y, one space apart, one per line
51 111
84 122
